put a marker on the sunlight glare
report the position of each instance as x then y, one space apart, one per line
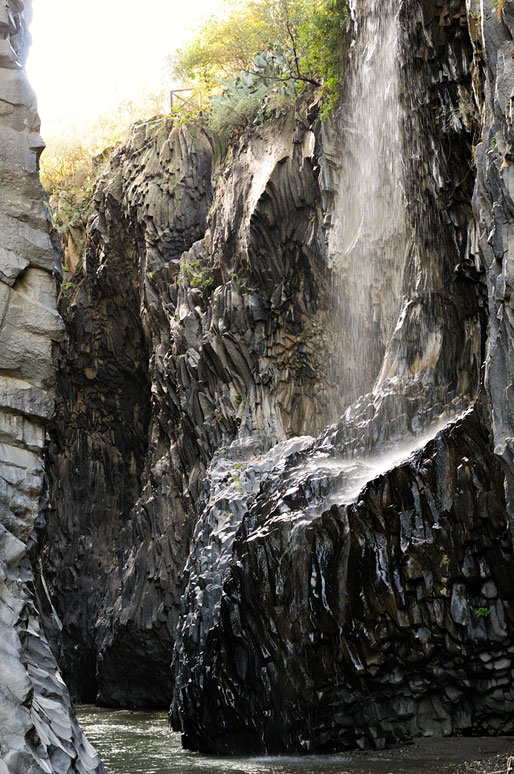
86 58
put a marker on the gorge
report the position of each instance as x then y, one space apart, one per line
259 464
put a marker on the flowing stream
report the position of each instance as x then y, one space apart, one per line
140 743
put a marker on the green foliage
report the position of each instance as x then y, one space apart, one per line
196 275
67 174
75 155
324 32
254 95
483 612
70 207
251 61
238 399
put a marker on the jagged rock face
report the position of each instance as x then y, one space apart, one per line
440 336
307 612
227 318
313 624
100 432
493 34
357 626
104 402
38 730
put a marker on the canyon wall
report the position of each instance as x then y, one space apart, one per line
38 730
493 32
335 617
201 314
325 569
192 506
206 347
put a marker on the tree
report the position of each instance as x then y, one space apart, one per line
302 41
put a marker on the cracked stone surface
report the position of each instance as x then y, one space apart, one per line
317 584
38 729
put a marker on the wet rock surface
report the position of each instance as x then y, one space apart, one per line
493 205
365 624
38 729
357 625
199 502
201 314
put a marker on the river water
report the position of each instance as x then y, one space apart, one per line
141 743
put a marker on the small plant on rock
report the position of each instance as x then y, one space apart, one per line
498 4
483 612
195 275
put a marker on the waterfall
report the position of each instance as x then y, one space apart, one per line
369 241
391 254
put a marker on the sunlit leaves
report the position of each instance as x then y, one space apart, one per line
262 53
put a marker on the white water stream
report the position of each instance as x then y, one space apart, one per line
368 241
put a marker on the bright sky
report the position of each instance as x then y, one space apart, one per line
89 55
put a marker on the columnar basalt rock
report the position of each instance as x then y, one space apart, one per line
493 34
357 625
38 730
440 336
315 625
208 284
192 506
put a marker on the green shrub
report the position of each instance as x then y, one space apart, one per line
195 275
74 157
251 62
254 95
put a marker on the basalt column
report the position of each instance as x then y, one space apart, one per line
38 730
352 596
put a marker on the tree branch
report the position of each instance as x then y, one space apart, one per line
291 77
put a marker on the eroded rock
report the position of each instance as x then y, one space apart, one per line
38 729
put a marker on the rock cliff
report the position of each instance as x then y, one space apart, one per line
323 549
221 330
206 347
493 33
38 730
335 617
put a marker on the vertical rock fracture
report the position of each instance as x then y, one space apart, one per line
280 458
38 730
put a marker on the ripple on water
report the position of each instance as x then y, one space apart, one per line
141 743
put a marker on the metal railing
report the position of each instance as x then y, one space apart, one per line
175 95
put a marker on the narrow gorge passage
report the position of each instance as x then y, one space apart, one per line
256 463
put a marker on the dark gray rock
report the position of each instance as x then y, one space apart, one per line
185 331
335 625
357 625
38 728
493 206
319 585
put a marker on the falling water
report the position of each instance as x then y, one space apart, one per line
368 242
387 416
